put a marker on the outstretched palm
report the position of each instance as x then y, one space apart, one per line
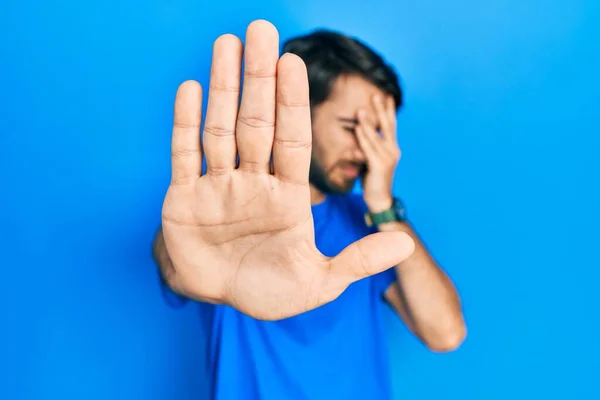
242 233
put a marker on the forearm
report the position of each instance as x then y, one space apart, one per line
427 297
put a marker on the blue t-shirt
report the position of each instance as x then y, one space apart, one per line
337 351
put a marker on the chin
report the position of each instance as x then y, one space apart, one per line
343 188
327 185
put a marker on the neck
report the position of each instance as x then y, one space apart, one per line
316 196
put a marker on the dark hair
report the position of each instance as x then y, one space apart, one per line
329 55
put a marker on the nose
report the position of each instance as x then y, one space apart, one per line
358 155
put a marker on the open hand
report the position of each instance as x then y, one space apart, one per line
242 233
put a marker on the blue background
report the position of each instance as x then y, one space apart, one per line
499 170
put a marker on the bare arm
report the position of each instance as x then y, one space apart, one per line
425 297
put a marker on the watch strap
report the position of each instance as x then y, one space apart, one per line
381 217
394 213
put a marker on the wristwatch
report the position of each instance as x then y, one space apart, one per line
395 213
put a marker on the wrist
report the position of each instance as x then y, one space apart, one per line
385 211
380 204
394 226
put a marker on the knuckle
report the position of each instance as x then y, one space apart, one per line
185 125
217 130
252 167
292 104
217 171
180 180
183 153
260 73
289 98
253 121
219 87
293 144
287 180
362 264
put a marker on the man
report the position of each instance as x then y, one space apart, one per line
297 268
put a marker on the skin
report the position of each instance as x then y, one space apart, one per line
244 235
354 137
339 157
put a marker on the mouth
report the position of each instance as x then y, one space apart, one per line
351 171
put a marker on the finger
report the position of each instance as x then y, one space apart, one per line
366 124
371 255
222 108
391 111
186 156
293 137
385 123
365 143
367 135
256 120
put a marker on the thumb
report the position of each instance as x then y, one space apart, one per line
372 254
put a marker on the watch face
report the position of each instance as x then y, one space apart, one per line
399 208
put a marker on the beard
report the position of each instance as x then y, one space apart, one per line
319 178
